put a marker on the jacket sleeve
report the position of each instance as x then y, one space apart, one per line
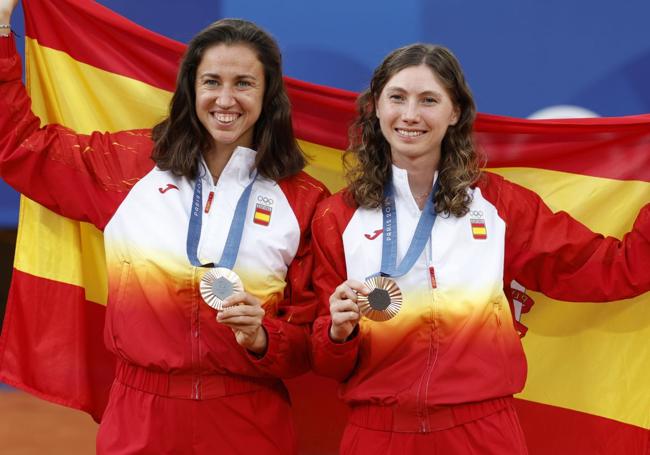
83 177
334 360
287 353
557 255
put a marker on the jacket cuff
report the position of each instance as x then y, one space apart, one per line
275 344
10 62
323 339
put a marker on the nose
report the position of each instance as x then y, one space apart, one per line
225 98
411 113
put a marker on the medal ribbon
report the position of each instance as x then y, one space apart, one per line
231 248
389 267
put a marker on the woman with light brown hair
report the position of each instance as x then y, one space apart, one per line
411 261
368 160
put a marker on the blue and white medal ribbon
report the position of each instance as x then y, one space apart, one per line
220 282
385 298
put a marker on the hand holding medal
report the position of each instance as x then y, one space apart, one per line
345 310
244 314
222 289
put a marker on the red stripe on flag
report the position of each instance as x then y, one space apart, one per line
326 124
115 43
57 354
559 431
594 147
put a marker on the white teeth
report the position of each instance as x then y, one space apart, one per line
226 118
409 133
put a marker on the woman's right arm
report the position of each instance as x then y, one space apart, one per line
83 177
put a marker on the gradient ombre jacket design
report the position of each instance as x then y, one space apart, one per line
155 315
454 340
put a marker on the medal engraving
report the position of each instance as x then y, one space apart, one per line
384 300
219 284
379 299
222 288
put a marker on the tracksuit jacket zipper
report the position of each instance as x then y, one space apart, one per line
423 387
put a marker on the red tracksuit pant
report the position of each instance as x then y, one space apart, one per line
486 428
145 416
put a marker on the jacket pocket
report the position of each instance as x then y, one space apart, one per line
497 308
116 311
125 273
503 337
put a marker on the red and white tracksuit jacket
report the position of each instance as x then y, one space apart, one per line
453 342
156 319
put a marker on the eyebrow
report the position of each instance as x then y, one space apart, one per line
217 76
400 89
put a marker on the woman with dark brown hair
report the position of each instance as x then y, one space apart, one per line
411 261
206 240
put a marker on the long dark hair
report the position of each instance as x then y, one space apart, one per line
368 159
180 138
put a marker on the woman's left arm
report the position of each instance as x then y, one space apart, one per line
279 345
555 254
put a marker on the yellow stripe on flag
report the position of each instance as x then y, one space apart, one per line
325 164
67 251
579 353
86 98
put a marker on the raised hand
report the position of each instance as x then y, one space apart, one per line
6 8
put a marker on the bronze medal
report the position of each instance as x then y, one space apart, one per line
384 300
218 284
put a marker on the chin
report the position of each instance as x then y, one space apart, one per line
224 140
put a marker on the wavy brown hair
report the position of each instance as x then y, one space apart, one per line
180 138
368 159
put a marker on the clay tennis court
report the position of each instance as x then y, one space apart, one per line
29 425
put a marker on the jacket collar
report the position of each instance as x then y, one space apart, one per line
402 189
239 169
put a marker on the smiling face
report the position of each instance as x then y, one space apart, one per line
414 112
229 95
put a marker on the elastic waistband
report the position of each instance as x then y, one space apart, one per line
190 386
402 420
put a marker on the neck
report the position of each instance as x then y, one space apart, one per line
421 171
216 159
420 181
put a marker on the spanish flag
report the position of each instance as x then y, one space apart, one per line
588 389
